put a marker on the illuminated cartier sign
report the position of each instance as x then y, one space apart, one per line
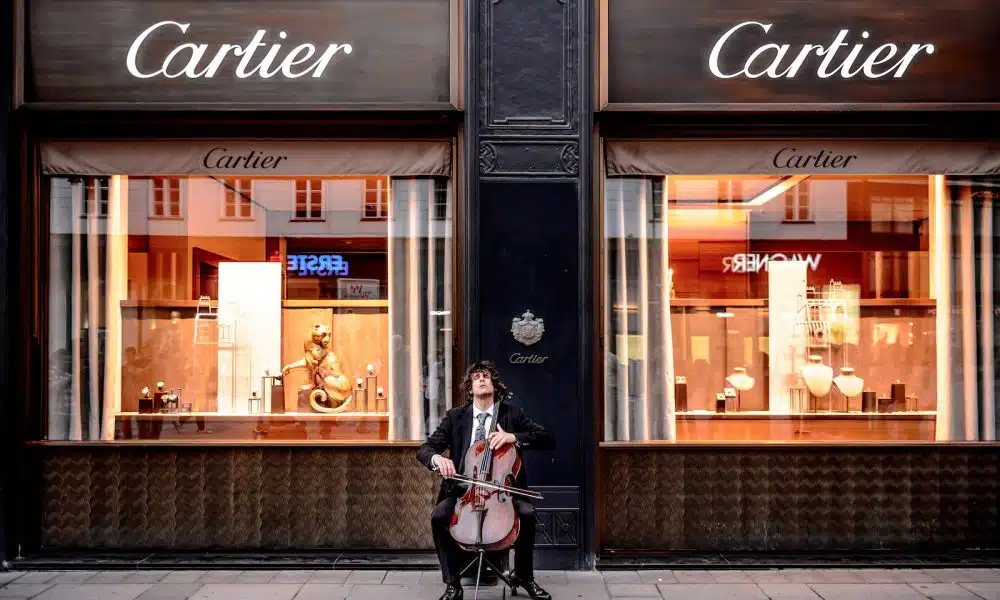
774 61
317 265
755 263
195 61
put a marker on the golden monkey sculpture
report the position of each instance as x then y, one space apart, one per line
329 389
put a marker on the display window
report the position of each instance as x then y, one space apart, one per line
789 304
302 292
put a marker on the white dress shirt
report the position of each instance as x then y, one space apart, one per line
475 422
487 422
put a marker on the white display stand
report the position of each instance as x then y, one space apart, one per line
249 331
786 282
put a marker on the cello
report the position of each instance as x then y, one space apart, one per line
484 517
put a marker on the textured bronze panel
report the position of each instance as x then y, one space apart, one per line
783 498
658 52
78 49
235 498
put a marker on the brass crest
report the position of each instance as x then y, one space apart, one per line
527 329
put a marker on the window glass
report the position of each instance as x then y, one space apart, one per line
248 308
798 308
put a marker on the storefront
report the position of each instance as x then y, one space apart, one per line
798 304
237 315
753 243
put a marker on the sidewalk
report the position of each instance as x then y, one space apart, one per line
790 584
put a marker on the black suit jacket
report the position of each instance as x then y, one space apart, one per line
455 432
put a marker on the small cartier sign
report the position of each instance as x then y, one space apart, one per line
221 158
232 54
791 158
722 52
526 359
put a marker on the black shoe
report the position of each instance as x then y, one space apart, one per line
453 592
535 591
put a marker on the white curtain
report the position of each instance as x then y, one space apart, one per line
88 259
420 310
639 365
966 300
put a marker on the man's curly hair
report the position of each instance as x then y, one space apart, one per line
483 366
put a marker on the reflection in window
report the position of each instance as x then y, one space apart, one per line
96 196
166 197
441 202
214 326
238 199
771 312
797 203
376 198
308 199
892 214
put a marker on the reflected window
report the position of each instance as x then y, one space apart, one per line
238 198
376 198
172 319
794 308
165 197
308 199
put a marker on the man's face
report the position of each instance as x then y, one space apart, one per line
482 384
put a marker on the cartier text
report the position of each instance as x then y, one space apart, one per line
775 61
194 60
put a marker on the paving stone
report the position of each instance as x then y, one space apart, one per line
323 591
23 590
851 591
989 591
332 576
93 591
75 577
788 591
803 576
182 576
291 576
838 576
244 591
694 576
632 589
220 577
146 577
545 578
38 576
621 577
944 591
9 576
366 577
712 591
768 576
656 577
585 577
255 576
894 576
919 576
170 591
431 578
967 575
402 578
731 577
367 591
571 591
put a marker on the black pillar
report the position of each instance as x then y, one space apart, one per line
527 239
6 397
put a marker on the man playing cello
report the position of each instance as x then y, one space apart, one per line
460 429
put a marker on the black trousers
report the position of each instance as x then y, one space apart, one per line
453 559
